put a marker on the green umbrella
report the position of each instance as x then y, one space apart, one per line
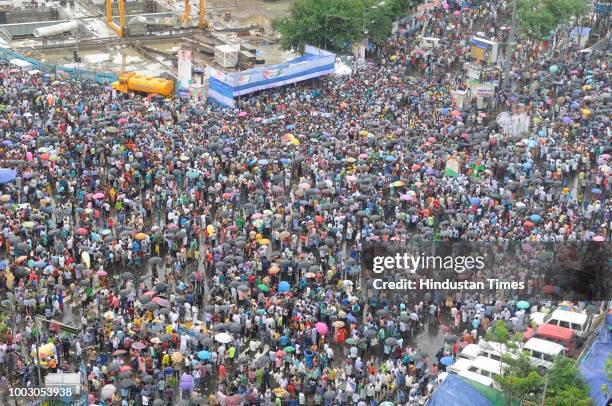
28 224
351 341
263 287
192 174
289 349
111 130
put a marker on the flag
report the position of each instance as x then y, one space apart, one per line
452 168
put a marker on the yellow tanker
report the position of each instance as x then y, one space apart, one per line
132 82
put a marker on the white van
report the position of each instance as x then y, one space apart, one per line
471 351
472 376
542 353
579 322
460 364
486 367
491 349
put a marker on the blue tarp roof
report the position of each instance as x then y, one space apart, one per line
592 366
454 391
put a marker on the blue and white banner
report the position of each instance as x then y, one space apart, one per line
224 87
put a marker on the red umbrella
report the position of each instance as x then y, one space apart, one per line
82 231
119 352
528 223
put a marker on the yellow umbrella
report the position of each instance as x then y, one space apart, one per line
5 198
295 141
363 133
140 236
177 356
210 229
397 183
264 241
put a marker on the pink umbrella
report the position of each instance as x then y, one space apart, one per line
242 114
122 120
101 273
150 293
98 195
82 231
321 328
599 238
161 301
138 345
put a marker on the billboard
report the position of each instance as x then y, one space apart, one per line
185 67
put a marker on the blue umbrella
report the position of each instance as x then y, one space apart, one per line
263 162
7 142
522 304
7 175
204 355
535 218
596 191
390 158
475 201
284 287
2 265
284 161
446 361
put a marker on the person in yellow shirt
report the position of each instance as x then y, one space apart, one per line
165 360
231 353
169 329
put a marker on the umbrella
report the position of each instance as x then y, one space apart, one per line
390 341
108 391
446 361
284 286
522 304
321 328
330 394
126 383
223 338
204 355
138 345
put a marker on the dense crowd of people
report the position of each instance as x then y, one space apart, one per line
216 256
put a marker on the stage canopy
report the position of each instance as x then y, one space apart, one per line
224 87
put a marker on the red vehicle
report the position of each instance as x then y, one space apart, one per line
556 334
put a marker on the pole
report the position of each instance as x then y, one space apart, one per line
509 47
38 330
545 387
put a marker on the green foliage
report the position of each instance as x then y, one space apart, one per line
609 367
498 332
539 17
332 24
565 386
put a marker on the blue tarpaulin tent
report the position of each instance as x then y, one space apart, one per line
7 175
592 366
454 391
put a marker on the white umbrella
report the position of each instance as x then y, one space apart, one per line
223 338
108 391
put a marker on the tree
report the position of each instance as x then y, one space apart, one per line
334 24
565 386
539 17
518 377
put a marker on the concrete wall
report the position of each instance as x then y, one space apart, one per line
136 7
31 15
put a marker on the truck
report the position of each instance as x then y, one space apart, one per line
132 82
